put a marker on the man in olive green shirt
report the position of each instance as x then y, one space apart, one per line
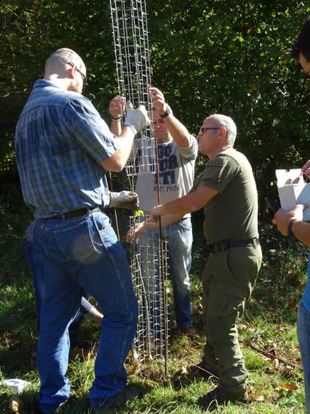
227 191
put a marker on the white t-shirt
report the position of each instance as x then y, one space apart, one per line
176 175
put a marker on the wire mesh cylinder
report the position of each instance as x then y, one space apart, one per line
149 272
132 61
148 259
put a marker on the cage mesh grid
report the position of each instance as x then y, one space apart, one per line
149 270
132 61
148 262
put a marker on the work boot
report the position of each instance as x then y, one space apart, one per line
217 397
116 402
192 372
201 370
189 331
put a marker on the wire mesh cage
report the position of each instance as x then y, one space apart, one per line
132 61
148 260
142 160
149 269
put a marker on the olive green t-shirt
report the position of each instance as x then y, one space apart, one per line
232 213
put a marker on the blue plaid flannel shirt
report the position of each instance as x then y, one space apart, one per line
60 142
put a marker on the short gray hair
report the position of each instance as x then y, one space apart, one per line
228 123
58 59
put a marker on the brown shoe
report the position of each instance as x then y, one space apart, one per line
201 371
217 397
190 332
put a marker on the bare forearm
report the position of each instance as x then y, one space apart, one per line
178 131
119 158
178 207
125 139
189 203
155 223
301 230
116 110
170 218
116 126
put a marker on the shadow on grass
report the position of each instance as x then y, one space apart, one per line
75 405
17 327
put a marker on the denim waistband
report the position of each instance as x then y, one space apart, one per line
74 213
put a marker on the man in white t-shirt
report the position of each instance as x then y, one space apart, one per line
177 152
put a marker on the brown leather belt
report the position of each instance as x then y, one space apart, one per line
74 213
229 244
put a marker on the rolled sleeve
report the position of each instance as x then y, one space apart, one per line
90 130
191 151
218 173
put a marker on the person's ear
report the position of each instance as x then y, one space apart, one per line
70 72
223 131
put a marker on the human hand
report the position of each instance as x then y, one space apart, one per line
282 218
305 169
158 211
136 119
134 234
158 100
124 199
117 107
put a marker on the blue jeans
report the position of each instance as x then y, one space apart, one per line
74 328
303 330
180 238
68 257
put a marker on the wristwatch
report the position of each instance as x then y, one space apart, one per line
167 112
290 230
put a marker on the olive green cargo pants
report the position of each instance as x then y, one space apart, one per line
228 282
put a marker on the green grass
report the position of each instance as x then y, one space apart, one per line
276 383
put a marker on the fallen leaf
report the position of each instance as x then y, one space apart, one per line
184 371
276 362
255 395
288 387
259 398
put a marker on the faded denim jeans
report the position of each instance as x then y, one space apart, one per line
180 238
68 257
303 330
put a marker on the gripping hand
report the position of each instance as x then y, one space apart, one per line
137 119
124 199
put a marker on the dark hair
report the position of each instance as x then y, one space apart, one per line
302 43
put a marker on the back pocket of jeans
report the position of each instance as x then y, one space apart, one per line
76 242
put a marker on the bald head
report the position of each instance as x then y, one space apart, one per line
60 60
67 69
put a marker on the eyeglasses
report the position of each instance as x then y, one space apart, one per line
203 130
80 72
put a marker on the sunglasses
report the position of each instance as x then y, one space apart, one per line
80 72
203 130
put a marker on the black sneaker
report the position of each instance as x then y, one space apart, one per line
215 398
115 403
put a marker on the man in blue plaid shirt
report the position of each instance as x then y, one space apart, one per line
63 150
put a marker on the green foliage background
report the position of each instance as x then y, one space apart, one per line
207 56
228 56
